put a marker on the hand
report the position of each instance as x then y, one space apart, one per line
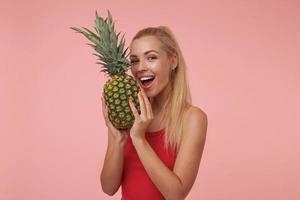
143 120
119 136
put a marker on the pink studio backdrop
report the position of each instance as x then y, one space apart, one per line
243 67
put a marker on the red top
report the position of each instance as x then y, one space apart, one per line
136 183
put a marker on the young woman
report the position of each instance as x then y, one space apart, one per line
159 157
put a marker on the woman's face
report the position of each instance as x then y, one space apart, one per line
151 65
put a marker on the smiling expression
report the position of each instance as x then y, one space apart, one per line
151 65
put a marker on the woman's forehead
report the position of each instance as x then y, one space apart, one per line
145 44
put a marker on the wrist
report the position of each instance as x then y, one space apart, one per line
119 144
138 141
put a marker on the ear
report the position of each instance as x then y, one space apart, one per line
174 61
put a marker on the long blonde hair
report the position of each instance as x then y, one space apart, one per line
179 99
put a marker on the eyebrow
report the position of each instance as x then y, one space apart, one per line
147 52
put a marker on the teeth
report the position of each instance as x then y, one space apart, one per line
146 78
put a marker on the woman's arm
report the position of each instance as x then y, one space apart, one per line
176 184
111 174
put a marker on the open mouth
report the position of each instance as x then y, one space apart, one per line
146 81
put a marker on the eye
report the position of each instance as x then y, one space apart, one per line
151 58
132 62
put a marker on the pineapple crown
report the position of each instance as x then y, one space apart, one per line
110 51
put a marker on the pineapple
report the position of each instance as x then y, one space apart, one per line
114 63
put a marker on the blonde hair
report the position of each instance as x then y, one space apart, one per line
179 99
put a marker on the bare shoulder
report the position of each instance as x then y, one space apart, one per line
195 115
195 122
194 111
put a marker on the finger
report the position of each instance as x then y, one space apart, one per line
147 105
105 111
142 104
105 114
133 109
104 108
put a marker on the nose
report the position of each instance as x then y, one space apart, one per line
141 66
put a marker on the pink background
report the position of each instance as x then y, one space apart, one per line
243 67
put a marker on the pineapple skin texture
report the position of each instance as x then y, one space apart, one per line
117 92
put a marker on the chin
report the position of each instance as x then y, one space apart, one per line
149 93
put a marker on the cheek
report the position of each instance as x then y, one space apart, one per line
164 78
165 73
133 71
